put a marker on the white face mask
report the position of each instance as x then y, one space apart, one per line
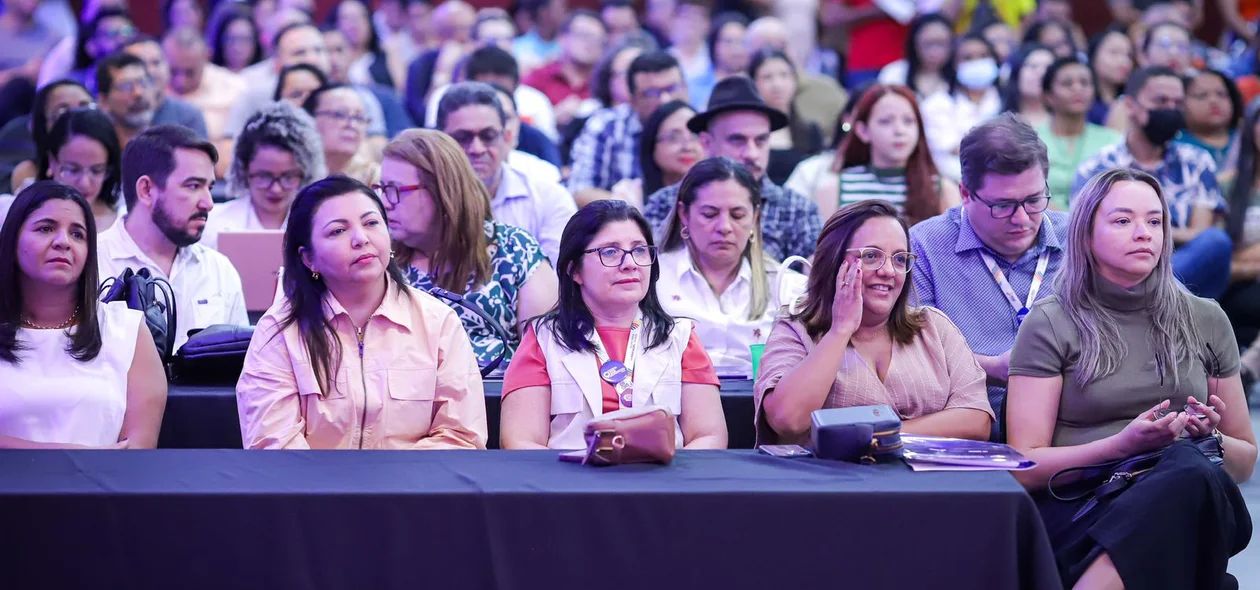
978 74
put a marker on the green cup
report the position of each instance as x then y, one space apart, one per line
756 350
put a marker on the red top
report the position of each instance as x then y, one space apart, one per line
529 366
550 80
875 43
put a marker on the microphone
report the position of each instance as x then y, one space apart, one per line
485 317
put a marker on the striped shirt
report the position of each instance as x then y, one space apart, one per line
861 183
1187 174
607 150
789 222
950 275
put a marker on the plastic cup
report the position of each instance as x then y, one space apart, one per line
756 350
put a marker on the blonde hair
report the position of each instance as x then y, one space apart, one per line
462 204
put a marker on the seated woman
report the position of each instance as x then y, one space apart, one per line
856 341
74 373
353 358
342 121
926 69
713 270
1112 60
439 216
667 150
1214 108
277 154
886 157
50 102
1120 362
1068 89
296 83
82 150
1241 301
1023 94
777 82
608 316
972 99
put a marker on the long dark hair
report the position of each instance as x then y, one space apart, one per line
85 343
284 76
720 21
1095 44
836 237
220 22
653 178
953 56
94 125
39 117
374 41
1010 94
913 62
304 292
571 320
1235 97
804 135
1245 179
923 199
1052 72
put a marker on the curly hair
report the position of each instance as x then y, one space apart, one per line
282 126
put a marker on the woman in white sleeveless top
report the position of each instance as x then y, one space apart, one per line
74 373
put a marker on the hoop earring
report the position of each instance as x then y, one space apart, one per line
684 233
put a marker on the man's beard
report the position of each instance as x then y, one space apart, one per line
181 236
139 119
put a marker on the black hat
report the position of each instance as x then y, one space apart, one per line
736 93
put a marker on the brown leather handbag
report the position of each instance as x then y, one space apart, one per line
630 435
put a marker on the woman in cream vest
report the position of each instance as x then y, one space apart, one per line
608 344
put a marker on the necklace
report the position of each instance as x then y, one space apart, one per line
66 324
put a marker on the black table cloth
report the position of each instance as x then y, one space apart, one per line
200 417
506 520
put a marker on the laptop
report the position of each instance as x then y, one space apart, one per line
257 256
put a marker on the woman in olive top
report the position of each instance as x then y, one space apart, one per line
1120 362
1068 89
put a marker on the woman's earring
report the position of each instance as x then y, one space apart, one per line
315 275
391 254
752 238
684 233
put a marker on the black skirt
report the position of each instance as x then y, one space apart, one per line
1175 529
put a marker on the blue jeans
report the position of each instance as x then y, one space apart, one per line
1202 264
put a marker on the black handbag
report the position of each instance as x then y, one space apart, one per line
151 296
1106 480
214 355
861 434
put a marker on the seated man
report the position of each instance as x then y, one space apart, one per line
738 125
986 262
607 150
212 89
169 109
531 165
167 172
1155 99
470 112
567 80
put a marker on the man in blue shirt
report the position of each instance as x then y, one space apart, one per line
1155 98
985 262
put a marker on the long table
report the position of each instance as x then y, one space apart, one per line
202 417
506 520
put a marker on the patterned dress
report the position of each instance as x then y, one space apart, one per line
514 255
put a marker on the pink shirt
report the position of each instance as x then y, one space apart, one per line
415 386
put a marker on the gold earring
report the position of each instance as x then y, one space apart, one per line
684 233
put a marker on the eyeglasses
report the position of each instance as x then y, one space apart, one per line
873 259
678 137
70 172
613 256
343 118
132 85
659 93
1006 209
65 108
392 193
488 136
122 32
262 181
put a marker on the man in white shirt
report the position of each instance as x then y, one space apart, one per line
167 173
471 113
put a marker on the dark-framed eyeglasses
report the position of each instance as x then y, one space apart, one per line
262 181
488 136
392 193
1006 209
873 259
612 256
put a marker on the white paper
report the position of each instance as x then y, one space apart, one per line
902 11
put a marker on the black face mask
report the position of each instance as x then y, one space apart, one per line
1162 125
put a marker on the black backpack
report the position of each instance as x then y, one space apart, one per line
153 297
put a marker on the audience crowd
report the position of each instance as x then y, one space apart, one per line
970 212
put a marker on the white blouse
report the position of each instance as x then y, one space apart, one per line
52 398
722 322
235 215
947 118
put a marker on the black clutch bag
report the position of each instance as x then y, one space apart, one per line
862 434
213 356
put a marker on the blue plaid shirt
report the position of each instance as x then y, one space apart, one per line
1187 174
607 150
789 222
950 275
